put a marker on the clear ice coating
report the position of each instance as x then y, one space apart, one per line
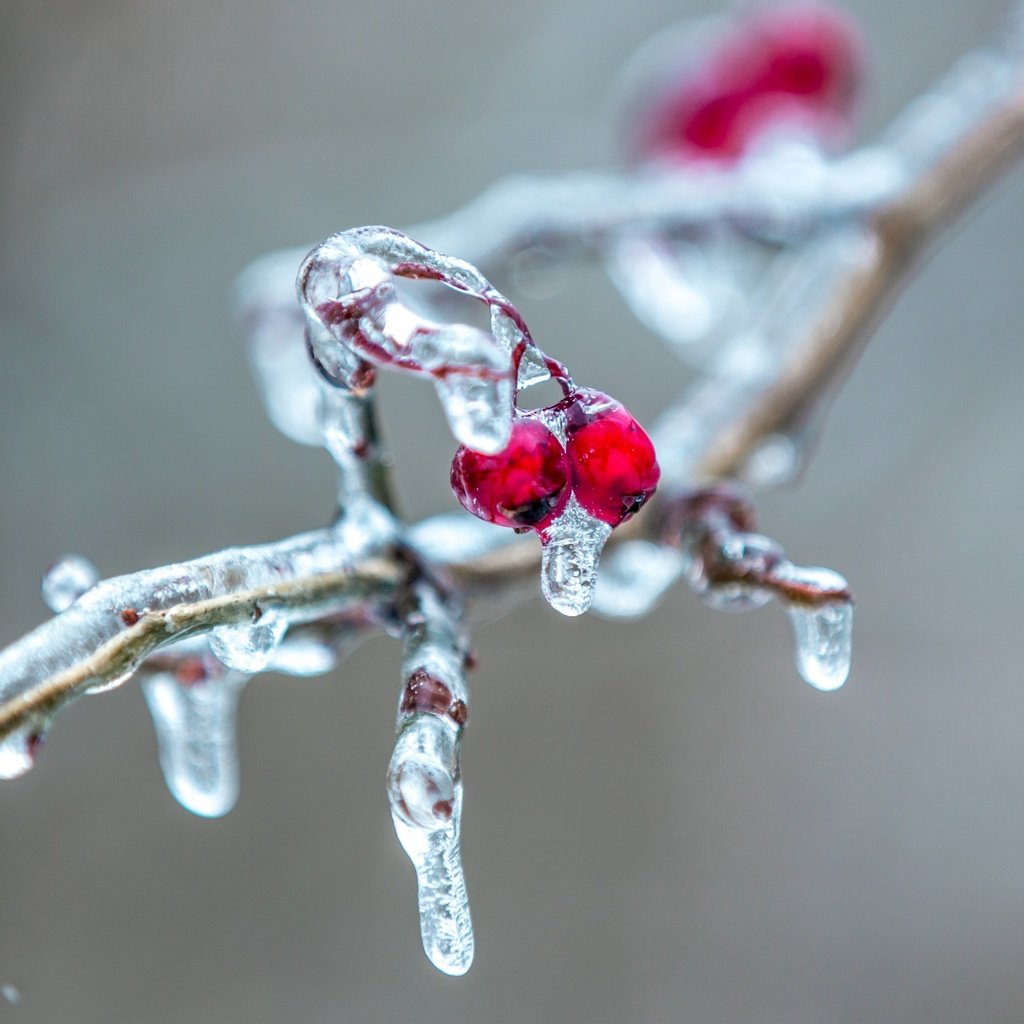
67 580
249 647
570 553
422 777
195 729
355 316
747 554
478 410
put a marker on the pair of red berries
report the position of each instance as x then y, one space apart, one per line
608 463
798 64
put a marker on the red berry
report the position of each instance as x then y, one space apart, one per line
797 64
524 486
614 467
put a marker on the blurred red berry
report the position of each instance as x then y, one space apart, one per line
797 65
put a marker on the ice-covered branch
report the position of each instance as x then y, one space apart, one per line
839 237
91 644
241 595
425 775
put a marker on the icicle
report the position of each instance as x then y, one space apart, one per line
824 639
426 805
18 750
195 730
822 624
478 409
570 555
249 647
67 580
424 779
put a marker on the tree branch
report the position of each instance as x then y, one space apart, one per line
894 240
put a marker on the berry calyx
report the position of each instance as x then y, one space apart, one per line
613 463
524 486
795 65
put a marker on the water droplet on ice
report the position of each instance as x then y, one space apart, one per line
67 580
195 730
249 647
824 642
479 410
11 994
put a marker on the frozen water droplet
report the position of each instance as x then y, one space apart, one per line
18 751
67 580
824 640
445 924
572 547
423 792
421 777
11 994
249 647
195 730
479 410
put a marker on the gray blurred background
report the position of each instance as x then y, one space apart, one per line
663 823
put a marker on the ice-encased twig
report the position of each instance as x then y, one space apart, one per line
51 666
734 568
424 777
108 632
